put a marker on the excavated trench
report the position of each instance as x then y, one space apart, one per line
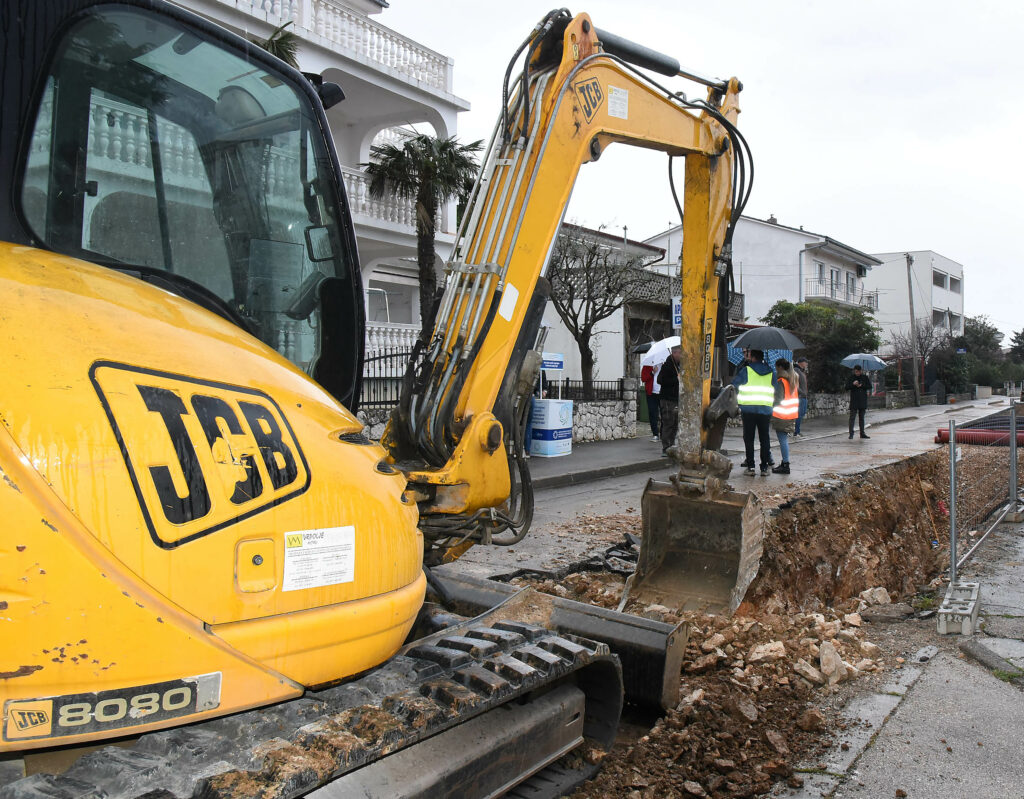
758 686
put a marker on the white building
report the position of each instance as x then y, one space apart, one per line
938 286
774 262
390 81
634 322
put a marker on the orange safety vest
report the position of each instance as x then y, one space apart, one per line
789 405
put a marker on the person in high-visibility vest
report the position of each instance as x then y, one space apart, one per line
786 410
755 393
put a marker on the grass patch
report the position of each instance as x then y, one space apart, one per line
924 602
1007 675
822 771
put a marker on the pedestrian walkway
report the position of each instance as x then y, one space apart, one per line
600 459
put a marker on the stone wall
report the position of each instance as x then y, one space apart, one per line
899 399
373 421
820 404
591 421
605 420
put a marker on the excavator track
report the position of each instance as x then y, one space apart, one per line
289 750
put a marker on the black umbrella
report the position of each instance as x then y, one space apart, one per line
768 338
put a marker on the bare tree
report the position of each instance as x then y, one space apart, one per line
929 339
592 275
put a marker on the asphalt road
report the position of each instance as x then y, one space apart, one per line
824 454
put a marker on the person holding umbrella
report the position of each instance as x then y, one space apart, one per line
652 389
755 385
668 377
859 386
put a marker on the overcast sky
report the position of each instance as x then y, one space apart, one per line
887 125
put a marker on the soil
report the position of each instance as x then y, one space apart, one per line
756 701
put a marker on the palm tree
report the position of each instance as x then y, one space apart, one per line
433 171
281 43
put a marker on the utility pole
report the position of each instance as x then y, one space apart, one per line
913 328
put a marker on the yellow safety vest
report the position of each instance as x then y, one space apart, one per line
757 390
789 405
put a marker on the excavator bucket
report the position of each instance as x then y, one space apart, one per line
698 552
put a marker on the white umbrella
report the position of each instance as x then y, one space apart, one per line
659 351
869 363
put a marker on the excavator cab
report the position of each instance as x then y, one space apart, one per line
220 165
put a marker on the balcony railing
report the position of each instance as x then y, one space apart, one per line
736 307
390 336
119 143
354 33
840 292
399 210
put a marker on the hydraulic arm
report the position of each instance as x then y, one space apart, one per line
457 431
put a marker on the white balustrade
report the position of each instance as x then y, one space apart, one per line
374 42
382 336
119 138
356 33
398 210
395 136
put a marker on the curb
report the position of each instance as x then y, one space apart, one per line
589 475
897 419
973 648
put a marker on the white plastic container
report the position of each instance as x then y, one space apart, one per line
552 428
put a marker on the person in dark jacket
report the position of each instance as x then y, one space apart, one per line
755 385
668 395
859 386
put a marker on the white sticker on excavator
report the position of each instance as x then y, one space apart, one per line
315 558
618 102
509 297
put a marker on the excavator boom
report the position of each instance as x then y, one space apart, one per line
579 93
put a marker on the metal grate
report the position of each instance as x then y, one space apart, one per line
382 378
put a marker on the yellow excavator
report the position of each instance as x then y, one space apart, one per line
211 582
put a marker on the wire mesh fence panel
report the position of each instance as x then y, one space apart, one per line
980 476
382 378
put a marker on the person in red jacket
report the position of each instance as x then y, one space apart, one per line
649 376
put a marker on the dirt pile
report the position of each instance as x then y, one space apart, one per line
749 711
827 543
758 687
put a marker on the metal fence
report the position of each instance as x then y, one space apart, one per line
384 371
382 378
841 292
985 471
588 390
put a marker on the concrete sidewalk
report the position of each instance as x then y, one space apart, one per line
947 726
600 459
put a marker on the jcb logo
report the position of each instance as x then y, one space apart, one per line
27 719
201 455
590 96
